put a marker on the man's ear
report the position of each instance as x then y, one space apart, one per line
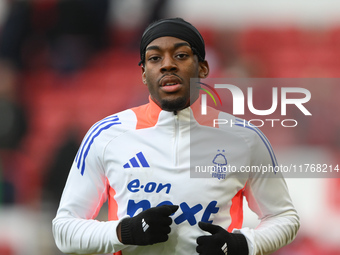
203 69
143 74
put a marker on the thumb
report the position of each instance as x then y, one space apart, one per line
173 208
211 228
167 210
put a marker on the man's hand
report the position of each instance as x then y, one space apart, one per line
149 227
220 242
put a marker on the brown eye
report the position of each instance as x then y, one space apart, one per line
153 58
182 55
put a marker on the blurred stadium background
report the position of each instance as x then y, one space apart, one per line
65 64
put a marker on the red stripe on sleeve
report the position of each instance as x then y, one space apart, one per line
113 206
236 211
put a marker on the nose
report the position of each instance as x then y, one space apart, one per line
168 64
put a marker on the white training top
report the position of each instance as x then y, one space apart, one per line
141 158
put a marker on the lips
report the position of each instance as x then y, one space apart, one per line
170 84
170 80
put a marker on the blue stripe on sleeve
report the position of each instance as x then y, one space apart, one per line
93 129
263 138
89 139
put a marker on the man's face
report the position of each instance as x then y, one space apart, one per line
169 65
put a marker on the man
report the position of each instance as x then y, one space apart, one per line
139 160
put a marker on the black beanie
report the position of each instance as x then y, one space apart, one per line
175 27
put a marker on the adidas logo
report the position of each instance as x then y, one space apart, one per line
225 248
145 225
137 161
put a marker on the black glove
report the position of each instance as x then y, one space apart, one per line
149 227
220 241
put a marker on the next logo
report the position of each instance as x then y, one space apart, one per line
188 212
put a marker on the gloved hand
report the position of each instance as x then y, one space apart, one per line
220 242
149 227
